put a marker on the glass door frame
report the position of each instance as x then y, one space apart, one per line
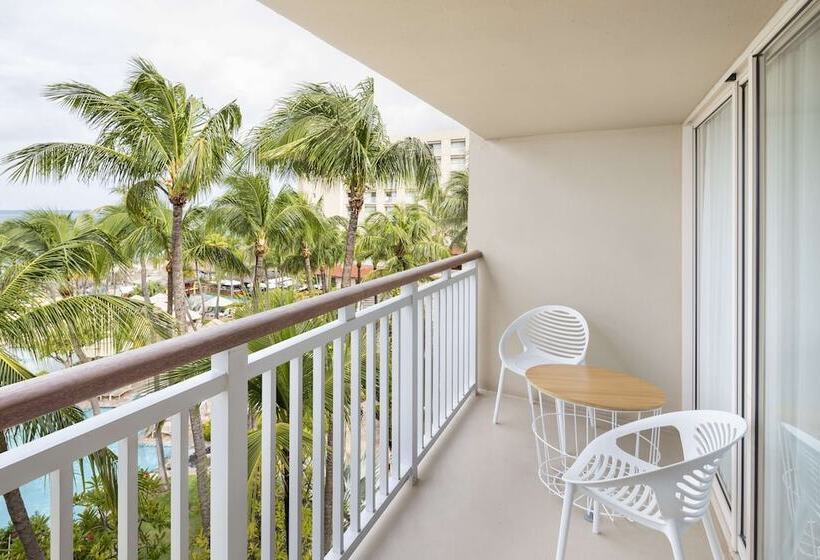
726 505
740 522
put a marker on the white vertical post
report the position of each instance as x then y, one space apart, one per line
318 510
295 461
370 421
408 382
127 514
451 384
473 336
443 373
458 349
384 409
268 536
61 516
179 486
419 306
229 456
345 314
355 431
395 401
436 370
428 369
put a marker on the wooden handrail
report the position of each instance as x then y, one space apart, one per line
29 399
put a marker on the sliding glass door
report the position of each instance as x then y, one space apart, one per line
789 276
716 255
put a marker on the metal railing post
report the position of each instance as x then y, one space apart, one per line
409 382
229 456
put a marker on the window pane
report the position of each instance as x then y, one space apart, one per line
791 300
715 267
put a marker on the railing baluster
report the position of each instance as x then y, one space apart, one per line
458 346
345 314
295 461
318 510
61 520
434 351
229 456
370 421
269 464
395 401
419 310
355 431
443 376
408 382
179 486
473 304
428 368
462 341
127 514
384 410
451 386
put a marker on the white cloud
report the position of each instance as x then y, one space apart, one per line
221 50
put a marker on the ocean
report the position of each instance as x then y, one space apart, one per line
10 214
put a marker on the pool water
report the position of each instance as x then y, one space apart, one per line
36 493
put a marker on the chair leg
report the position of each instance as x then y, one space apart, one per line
566 514
673 534
711 536
498 395
596 517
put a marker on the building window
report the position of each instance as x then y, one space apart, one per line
458 163
458 147
436 148
371 197
390 196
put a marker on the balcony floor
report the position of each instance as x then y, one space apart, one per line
478 498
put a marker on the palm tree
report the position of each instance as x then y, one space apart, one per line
40 315
251 210
152 135
453 208
144 223
324 132
403 238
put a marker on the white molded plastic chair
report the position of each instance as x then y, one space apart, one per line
550 334
670 498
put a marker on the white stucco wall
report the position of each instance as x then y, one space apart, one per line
590 220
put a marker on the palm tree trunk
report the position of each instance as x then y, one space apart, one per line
354 205
358 272
144 280
160 445
180 302
258 272
308 269
169 288
19 516
202 478
325 284
158 428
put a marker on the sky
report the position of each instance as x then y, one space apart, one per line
222 50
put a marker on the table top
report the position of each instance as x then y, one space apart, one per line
596 387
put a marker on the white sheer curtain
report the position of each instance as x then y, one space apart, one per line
791 307
715 266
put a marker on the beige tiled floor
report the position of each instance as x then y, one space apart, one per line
478 498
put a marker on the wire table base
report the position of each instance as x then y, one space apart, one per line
562 430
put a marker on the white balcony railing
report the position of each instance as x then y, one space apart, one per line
411 361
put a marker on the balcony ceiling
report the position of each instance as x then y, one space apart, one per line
522 67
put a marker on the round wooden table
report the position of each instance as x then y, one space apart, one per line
596 387
581 403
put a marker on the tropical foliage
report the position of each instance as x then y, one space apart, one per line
162 150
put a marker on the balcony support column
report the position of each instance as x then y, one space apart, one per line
229 456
